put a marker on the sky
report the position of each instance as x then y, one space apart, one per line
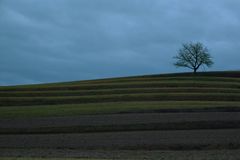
44 41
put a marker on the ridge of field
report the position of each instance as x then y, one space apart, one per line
146 79
208 76
216 74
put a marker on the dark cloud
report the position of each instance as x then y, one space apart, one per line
62 40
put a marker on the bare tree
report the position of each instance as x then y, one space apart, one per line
192 56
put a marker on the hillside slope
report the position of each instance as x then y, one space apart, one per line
122 95
173 111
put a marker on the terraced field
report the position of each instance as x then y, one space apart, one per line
118 95
172 111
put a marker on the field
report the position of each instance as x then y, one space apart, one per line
171 114
141 155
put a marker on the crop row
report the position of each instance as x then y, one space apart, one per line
115 91
154 84
24 101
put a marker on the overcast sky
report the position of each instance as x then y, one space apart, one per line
64 40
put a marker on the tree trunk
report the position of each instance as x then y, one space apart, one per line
195 70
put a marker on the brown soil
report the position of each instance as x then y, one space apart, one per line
181 139
124 154
119 119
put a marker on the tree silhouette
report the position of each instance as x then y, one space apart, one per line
192 56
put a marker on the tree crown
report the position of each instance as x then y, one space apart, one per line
193 55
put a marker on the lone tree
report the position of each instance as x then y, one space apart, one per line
193 55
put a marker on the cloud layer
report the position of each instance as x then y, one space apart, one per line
63 40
